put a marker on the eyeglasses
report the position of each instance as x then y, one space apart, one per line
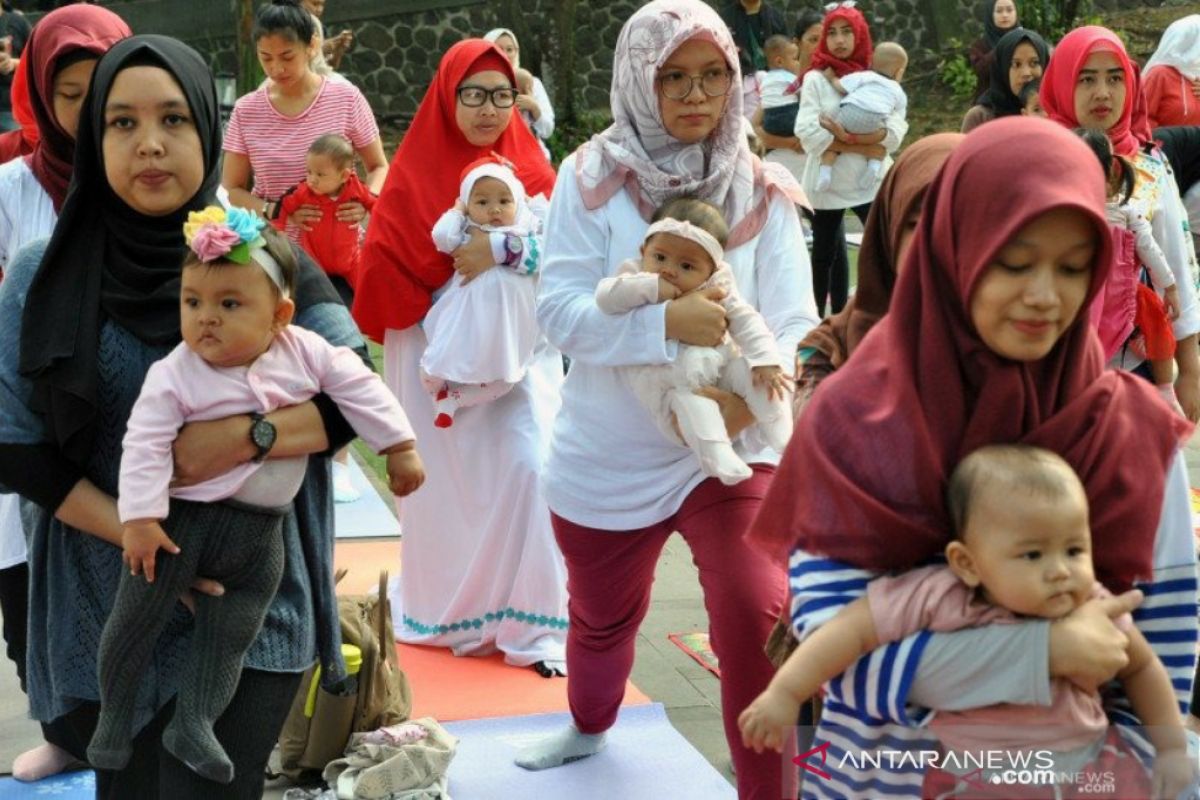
476 96
678 85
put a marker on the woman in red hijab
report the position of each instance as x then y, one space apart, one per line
57 65
845 47
481 570
1092 83
986 341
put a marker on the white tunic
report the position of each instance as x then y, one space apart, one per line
26 215
609 466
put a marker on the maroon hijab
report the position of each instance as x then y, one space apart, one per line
62 32
863 478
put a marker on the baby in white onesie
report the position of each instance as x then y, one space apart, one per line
683 252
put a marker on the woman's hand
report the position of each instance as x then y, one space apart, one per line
204 450
204 586
698 318
1086 647
734 411
306 216
353 212
474 257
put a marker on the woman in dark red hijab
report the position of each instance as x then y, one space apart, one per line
985 342
478 548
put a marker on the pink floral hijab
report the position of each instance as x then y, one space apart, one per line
638 154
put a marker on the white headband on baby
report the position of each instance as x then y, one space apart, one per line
264 259
686 230
492 170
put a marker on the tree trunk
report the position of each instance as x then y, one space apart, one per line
563 55
249 71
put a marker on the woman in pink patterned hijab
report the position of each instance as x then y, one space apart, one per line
616 484
637 152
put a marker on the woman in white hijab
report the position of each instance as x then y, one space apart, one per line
1171 79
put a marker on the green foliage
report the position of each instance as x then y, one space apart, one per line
1053 18
954 70
571 133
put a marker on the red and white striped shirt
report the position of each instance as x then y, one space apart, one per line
276 144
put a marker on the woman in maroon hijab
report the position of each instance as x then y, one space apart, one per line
985 343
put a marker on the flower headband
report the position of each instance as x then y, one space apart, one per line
233 235
844 4
686 230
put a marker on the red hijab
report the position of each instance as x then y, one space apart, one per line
863 478
860 59
21 141
400 266
1057 94
63 31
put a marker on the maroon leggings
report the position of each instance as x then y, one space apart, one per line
609 575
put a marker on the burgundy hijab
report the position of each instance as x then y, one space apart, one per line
60 33
863 478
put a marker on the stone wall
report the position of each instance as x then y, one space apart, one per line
399 42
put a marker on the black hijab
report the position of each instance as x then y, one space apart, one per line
991 33
107 261
999 97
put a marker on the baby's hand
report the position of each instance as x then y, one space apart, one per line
1174 771
765 722
1171 301
667 290
773 380
405 470
141 540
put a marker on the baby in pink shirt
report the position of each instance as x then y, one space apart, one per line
1023 549
239 355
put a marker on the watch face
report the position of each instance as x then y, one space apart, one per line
263 435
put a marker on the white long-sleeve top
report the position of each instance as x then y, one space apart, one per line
631 288
543 126
182 387
1148 252
817 97
26 210
609 467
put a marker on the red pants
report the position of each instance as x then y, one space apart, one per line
609 575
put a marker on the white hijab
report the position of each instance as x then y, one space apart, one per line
1179 48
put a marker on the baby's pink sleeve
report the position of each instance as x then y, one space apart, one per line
147 461
930 598
628 289
361 395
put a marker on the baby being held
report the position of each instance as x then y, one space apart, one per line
683 252
1022 549
780 86
871 96
240 357
481 330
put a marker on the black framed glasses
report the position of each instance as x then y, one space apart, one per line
476 96
678 85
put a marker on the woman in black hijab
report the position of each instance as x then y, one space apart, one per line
84 317
1020 58
998 17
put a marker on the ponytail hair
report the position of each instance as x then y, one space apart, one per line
1098 141
284 18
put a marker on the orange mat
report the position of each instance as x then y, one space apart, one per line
449 688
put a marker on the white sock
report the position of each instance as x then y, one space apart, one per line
343 489
824 177
41 762
565 746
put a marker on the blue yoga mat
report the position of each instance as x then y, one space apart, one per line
369 516
71 786
646 759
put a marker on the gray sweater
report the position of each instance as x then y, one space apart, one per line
73 576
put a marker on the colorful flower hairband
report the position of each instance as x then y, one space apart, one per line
844 4
233 234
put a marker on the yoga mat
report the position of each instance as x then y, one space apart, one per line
697 646
69 786
447 687
369 516
645 759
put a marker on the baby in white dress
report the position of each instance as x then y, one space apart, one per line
481 331
683 252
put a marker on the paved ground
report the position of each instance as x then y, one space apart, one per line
663 671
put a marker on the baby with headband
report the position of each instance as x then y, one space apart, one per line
683 252
239 355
